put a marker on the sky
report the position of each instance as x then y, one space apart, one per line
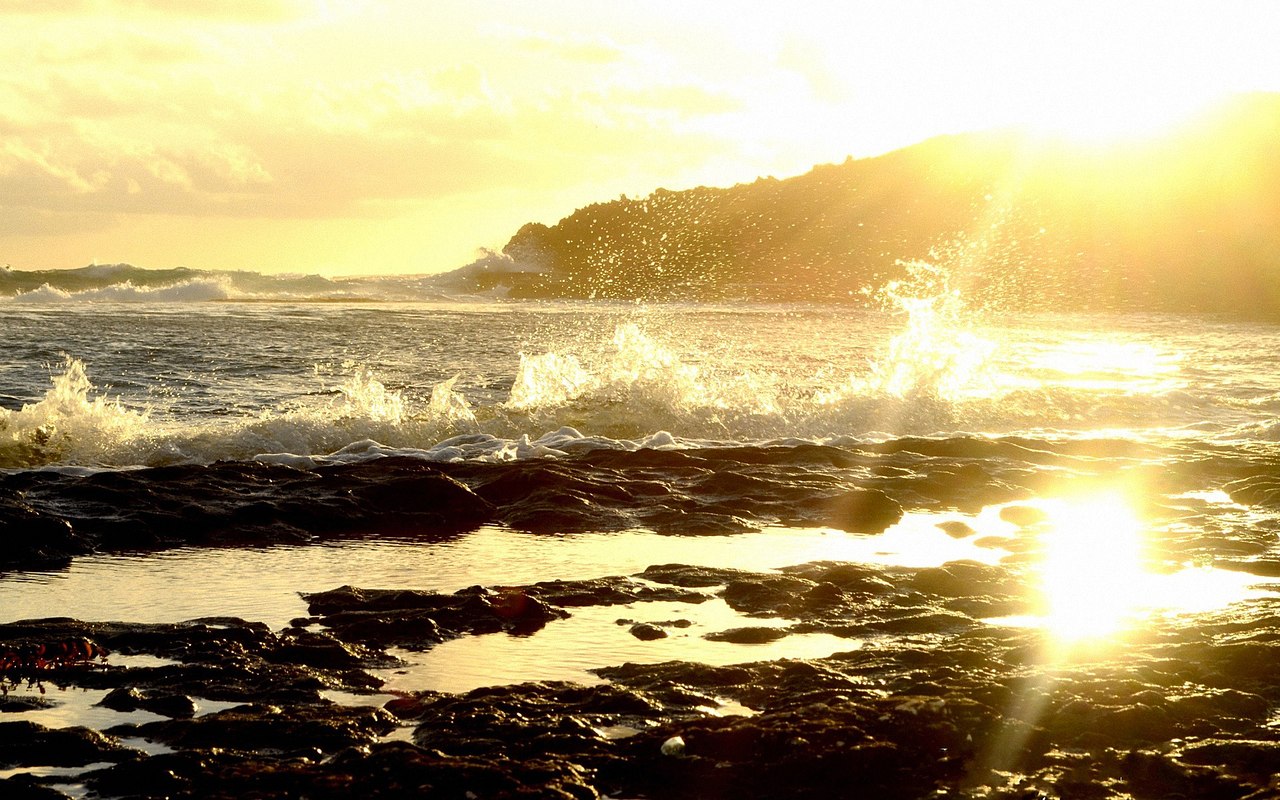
350 137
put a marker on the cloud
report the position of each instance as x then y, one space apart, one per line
586 49
177 145
243 11
676 99
119 117
123 47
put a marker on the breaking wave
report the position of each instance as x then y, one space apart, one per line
635 392
195 291
488 277
600 377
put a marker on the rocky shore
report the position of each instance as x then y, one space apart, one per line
930 700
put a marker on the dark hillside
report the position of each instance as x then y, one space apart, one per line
1189 222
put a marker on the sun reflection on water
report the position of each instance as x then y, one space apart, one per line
1098 577
1091 572
1102 363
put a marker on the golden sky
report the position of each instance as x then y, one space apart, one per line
354 136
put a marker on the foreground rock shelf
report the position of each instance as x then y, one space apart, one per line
929 700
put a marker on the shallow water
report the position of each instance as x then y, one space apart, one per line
606 438
264 584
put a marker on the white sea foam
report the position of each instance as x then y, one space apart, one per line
615 397
193 291
70 425
542 380
490 278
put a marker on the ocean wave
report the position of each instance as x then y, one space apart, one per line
636 394
125 283
71 425
195 291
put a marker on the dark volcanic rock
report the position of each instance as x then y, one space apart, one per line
926 702
647 631
956 529
611 592
387 770
222 659
35 540
752 635
25 743
300 729
863 511
164 704
416 619
20 704
53 517
690 577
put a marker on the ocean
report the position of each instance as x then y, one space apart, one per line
222 457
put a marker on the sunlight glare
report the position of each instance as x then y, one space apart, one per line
1094 578
1103 118
1091 575
1102 364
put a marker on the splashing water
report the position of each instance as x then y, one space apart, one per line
697 375
449 405
935 357
548 380
366 398
68 425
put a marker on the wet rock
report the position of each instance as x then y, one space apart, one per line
388 770
416 619
965 579
690 576
764 594
534 719
409 496
1219 704
646 631
1153 774
33 539
863 511
1253 757
956 529
1023 516
27 787
1255 490
19 704
1263 567
609 591
24 743
161 776
913 709
300 729
853 578
229 504
222 659
750 635
164 704
824 595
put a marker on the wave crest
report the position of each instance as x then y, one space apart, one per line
202 290
69 425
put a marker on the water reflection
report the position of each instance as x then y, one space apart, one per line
600 636
1096 572
1085 564
263 584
